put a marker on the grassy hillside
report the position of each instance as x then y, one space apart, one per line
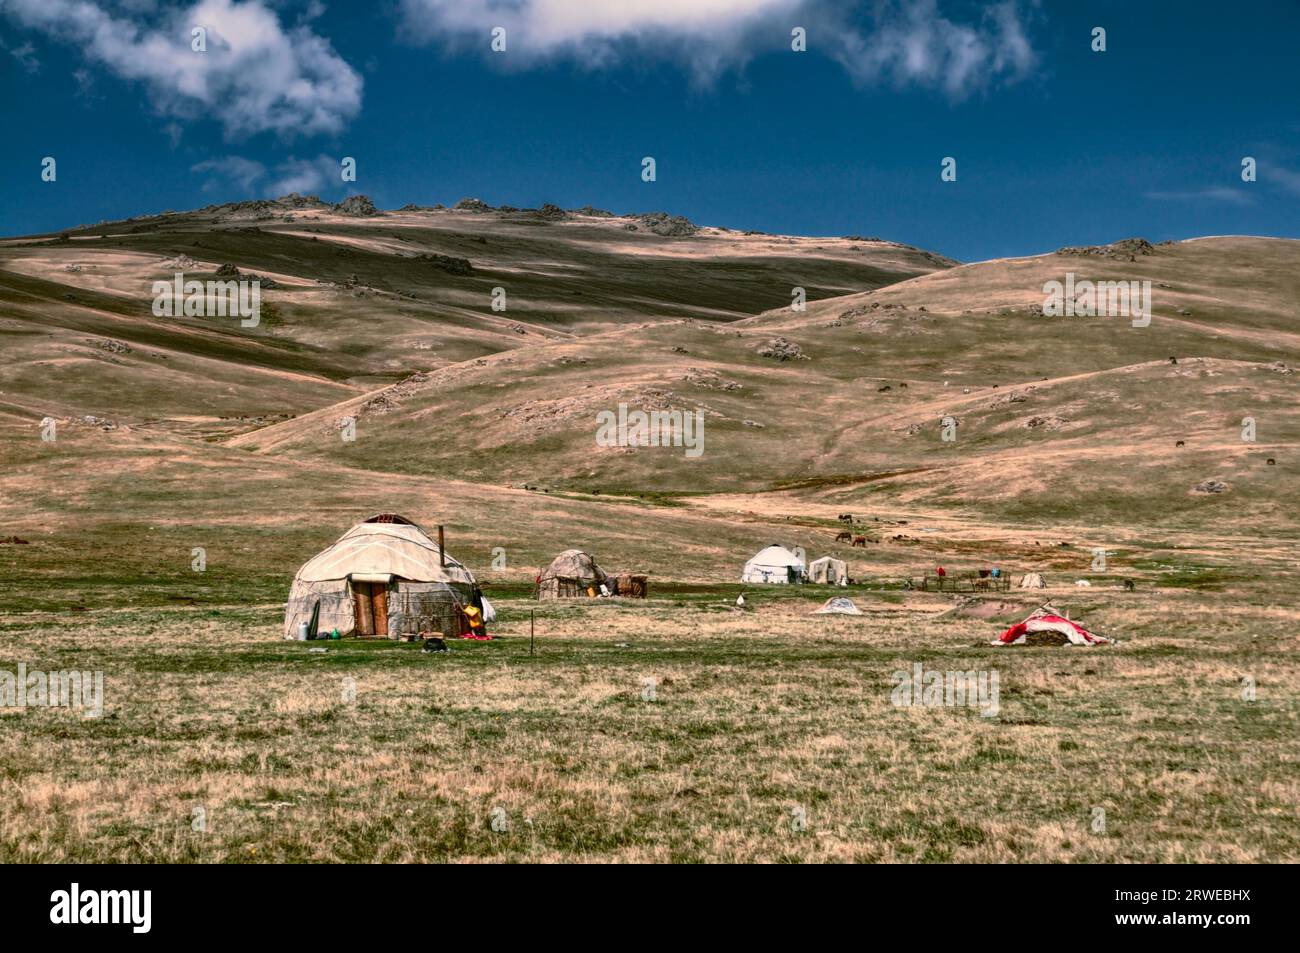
1053 414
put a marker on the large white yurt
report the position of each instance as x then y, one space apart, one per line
384 578
775 564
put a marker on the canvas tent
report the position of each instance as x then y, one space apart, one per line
383 578
838 605
774 564
1046 626
829 571
571 574
1032 580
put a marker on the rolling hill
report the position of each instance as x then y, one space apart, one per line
176 430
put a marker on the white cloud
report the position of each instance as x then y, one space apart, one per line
1288 179
306 175
312 175
892 41
1215 194
243 172
25 55
256 76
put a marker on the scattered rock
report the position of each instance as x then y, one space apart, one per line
1050 422
472 205
1128 249
113 347
358 205
669 226
1210 486
265 209
227 270
710 379
449 263
781 350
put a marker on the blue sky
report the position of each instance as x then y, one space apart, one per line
1055 144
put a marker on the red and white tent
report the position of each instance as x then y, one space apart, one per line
1042 620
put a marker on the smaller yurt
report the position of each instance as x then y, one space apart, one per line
838 605
829 571
571 575
1032 580
383 578
775 564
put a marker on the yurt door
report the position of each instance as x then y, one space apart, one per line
370 601
379 599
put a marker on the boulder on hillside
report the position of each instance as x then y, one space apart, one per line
358 205
780 349
669 226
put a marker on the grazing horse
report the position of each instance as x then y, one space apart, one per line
844 537
860 541
1180 444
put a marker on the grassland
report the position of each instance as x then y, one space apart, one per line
754 715
184 435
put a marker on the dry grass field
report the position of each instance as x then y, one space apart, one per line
753 716
680 728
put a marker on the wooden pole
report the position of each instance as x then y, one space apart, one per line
532 624
442 548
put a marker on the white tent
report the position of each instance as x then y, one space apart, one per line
838 605
1032 580
776 564
829 571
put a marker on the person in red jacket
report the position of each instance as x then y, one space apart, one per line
940 572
